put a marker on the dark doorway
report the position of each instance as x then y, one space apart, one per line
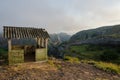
29 55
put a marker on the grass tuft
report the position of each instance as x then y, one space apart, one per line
71 59
51 62
108 67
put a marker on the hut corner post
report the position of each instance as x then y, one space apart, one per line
9 45
46 45
9 50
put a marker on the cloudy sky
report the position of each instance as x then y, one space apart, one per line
56 16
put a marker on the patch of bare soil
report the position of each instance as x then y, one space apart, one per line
59 71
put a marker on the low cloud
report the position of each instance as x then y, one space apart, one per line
60 16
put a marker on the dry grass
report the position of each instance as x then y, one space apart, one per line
32 65
71 59
108 67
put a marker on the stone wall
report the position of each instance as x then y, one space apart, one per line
16 56
41 54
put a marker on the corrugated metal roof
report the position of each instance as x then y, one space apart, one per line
24 32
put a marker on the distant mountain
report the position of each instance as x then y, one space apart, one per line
60 37
55 47
102 35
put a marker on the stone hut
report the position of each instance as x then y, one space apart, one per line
26 53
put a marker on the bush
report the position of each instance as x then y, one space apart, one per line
3 53
51 62
71 59
109 56
108 67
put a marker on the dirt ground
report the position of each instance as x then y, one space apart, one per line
60 70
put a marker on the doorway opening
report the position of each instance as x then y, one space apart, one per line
29 55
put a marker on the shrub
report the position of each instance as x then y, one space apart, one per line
88 62
109 56
71 59
58 66
51 62
108 67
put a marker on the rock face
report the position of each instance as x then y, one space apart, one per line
102 35
56 46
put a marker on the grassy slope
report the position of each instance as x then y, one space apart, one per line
90 51
92 54
107 31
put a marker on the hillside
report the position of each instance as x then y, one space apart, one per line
102 35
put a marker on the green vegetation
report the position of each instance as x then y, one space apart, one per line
105 31
3 53
51 62
108 67
3 56
109 56
106 58
71 59
94 52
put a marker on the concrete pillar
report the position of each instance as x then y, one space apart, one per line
39 42
46 42
46 46
9 45
42 42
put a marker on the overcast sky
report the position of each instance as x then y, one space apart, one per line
56 16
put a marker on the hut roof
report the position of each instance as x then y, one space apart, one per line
24 32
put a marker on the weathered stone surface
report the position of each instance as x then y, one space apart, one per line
41 54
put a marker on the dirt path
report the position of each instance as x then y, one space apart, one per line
59 71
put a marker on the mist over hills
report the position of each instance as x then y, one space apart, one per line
55 48
59 37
